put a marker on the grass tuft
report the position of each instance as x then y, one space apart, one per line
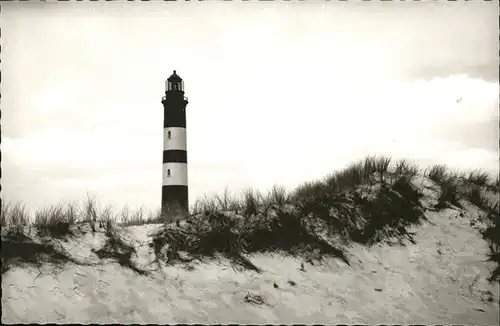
478 178
215 203
90 211
392 210
141 216
14 215
313 189
449 194
406 168
474 194
130 218
252 201
492 235
56 220
437 173
277 197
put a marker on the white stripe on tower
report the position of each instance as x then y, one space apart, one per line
175 171
178 174
174 138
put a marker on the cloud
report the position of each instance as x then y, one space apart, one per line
98 149
472 158
480 135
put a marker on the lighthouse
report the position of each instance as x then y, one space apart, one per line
174 194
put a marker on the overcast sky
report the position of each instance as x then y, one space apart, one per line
278 92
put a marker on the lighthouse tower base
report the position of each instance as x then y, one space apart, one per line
174 201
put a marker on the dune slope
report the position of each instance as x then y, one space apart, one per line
441 278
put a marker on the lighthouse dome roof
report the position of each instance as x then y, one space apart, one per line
174 77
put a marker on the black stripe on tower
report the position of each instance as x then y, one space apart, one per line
174 156
175 193
175 111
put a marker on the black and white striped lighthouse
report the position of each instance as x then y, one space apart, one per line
175 173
